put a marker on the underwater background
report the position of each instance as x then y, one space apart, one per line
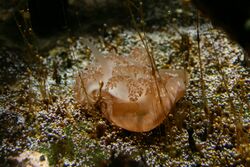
43 47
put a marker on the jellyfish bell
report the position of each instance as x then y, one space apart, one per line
147 112
134 100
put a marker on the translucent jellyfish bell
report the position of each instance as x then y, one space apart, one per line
133 99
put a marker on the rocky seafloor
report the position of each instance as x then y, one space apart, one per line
210 126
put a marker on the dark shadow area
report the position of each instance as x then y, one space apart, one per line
232 16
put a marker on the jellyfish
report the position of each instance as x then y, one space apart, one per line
133 98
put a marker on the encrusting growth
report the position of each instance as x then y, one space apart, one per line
129 91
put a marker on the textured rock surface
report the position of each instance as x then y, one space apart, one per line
39 111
